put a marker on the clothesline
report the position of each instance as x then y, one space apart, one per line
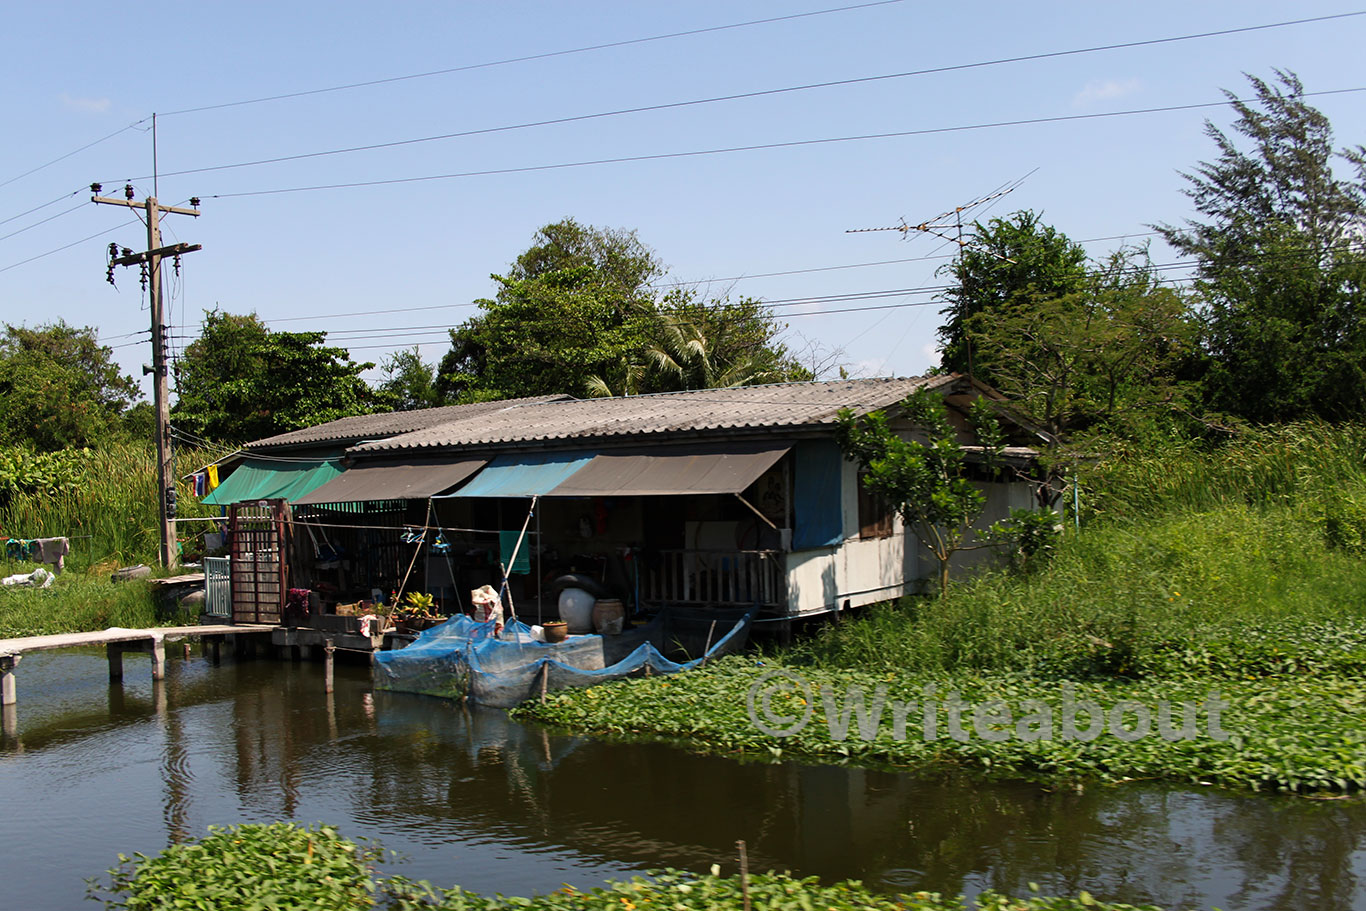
404 527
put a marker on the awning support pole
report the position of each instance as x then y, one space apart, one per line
766 519
512 561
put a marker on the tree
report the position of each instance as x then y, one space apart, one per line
409 382
1098 356
1009 261
543 335
926 483
1280 262
704 344
240 381
59 387
577 314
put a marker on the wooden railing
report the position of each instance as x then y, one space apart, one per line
744 578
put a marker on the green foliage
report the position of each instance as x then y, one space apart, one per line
678 890
24 471
1344 525
239 381
104 499
1010 261
926 483
576 314
1289 733
1164 472
59 387
279 865
1098 356
409 382
543 335
1030 536
1280 262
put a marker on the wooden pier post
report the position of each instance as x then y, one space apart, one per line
329 648
114 651
158 650
8 693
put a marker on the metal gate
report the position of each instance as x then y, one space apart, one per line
259 570
217 587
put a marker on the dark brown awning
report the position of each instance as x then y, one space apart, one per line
393 480
662 471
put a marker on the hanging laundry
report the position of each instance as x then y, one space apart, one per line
52 550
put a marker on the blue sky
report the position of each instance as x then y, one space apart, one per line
81 71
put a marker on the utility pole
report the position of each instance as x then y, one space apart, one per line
151 259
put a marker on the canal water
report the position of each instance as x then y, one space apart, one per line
469 797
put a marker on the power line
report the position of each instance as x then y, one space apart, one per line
661 156
79 205
53 202
578 118
73 152
529 57
69 246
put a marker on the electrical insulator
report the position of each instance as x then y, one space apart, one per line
95 188
128 191
127 252
170 502
194 202
177 265
143 277
109 275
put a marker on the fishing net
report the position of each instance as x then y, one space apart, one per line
463 658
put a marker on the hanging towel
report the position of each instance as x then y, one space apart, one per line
213 477
507 541
51 550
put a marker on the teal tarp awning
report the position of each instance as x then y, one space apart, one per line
273 479
525 475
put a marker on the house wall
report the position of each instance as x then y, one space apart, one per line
858 572
855 572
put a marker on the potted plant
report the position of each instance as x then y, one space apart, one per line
418 613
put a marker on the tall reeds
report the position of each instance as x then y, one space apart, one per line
111 513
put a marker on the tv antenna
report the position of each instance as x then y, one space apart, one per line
940 224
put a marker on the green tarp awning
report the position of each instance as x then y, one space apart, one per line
273 479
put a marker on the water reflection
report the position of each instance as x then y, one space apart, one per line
473 798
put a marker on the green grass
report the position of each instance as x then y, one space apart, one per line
1231 589
78 602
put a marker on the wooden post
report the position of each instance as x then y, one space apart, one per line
8 695
114 651
744 873
545 672
328 649
706 648
158 651
186 656
215 648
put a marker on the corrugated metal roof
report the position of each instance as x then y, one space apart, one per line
377 426
787 405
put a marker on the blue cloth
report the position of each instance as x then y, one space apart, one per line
817 476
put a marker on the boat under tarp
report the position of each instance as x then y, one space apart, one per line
465 659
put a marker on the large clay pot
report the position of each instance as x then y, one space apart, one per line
608 616
576 609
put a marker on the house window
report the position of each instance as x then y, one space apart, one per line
874 513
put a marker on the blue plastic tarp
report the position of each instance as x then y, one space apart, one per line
466 659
